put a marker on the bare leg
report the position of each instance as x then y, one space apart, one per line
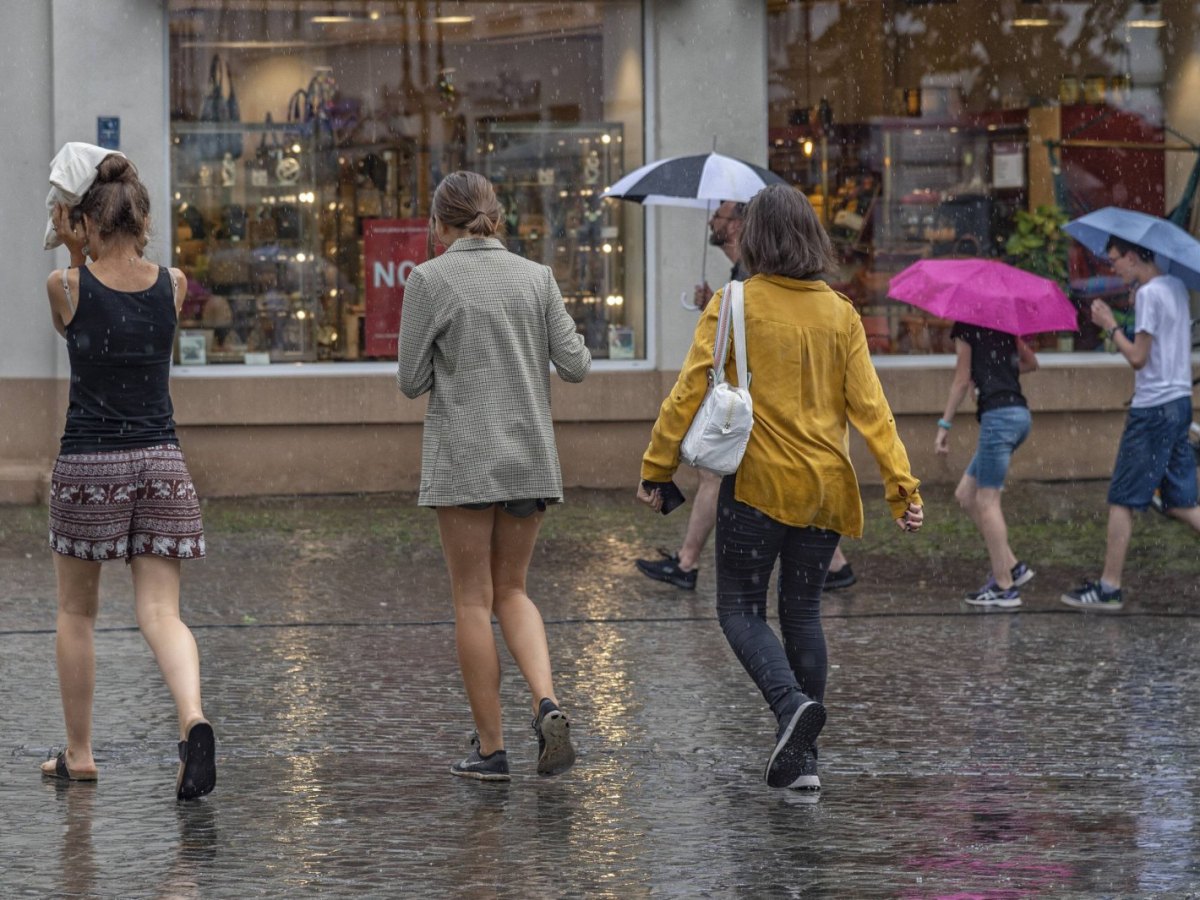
1189 515
1120 531
701 521
466 543
989 518
839 560
524 632
156 598
78 604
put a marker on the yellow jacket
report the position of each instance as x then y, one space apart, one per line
810 372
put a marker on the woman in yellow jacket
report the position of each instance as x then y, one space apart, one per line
795 493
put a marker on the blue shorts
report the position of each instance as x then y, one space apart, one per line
1001 431
1155 453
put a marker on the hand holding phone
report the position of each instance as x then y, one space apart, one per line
668 493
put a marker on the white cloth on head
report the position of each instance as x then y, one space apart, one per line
72 172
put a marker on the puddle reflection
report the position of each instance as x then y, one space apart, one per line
77 856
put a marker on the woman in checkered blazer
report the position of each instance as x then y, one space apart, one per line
479 330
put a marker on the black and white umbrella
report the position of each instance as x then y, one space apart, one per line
696 181
700 182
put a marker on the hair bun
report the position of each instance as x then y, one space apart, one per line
115 168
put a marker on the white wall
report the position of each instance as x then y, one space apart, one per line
27 340
63 63
710 79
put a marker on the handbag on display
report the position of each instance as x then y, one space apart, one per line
717 437
220 107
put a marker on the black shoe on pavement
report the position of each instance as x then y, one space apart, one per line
555 751
788 764
808 779
842 578
667 569
1091 595
493 767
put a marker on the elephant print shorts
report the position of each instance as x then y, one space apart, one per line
119 504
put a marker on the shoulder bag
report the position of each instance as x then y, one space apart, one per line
718 435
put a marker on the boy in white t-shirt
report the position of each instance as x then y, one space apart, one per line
1154 452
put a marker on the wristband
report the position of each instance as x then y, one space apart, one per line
1109 332
942 423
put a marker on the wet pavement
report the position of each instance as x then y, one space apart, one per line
1042 753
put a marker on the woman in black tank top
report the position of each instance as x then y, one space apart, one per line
121 489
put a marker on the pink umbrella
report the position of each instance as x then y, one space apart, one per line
985 292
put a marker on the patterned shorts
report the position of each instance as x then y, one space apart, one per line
119 504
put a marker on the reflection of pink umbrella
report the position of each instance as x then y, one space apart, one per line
985 292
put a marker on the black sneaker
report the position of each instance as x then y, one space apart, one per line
789 763
842 578
1090 595
667 569
493 767
808 779
553 730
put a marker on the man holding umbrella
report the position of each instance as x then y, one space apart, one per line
1154 451
680 569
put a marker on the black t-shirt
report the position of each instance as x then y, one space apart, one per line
995 367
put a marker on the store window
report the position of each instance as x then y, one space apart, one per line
925 128
307 138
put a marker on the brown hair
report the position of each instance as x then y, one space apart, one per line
467 200
117 201
781 235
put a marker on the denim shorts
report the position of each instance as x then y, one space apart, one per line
1155 453
1001 431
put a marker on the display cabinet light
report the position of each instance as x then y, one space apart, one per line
453 20
296 148
808 148
301 314
607 248
1145 23
374 15
300 257
606 138
331 20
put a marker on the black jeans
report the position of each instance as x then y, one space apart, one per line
748 543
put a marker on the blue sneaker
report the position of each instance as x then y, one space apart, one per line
993 596
1021 575
1091 595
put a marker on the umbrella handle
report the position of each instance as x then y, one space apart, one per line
686 303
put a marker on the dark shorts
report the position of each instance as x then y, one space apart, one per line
119 504
1155 453
522 509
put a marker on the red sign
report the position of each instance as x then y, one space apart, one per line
392 248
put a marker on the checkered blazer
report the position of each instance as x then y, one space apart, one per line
479 329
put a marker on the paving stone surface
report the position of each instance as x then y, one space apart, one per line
1043 753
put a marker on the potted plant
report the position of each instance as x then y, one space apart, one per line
1039 245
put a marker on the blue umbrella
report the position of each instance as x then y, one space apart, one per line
1175 251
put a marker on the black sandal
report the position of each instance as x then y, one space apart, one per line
61 771
197 762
